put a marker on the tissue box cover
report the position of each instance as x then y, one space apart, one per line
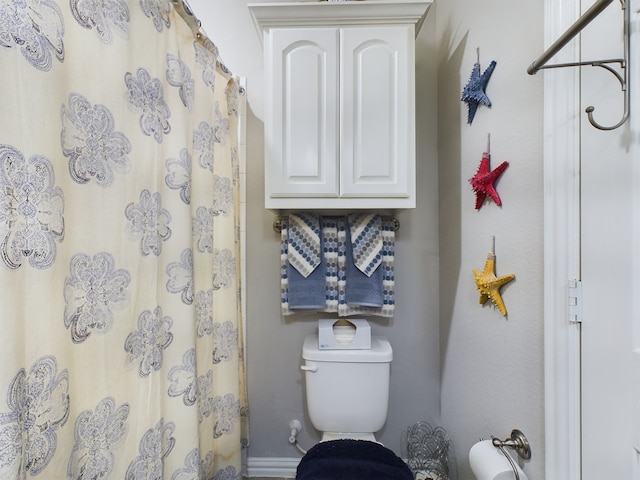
328 341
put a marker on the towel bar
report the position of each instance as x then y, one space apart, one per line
277 224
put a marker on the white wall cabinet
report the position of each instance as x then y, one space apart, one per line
340 103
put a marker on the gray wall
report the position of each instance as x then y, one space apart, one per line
456 363
491 367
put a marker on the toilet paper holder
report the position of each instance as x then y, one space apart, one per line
516 441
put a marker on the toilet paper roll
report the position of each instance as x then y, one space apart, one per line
489 463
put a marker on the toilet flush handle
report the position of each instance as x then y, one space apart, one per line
309 368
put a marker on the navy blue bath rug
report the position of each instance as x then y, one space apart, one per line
351 459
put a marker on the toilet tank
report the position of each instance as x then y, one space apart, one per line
347 390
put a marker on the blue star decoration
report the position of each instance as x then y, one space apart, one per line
473 93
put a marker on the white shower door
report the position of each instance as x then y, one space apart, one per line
609 259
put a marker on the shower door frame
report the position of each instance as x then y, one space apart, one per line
561 250
566 436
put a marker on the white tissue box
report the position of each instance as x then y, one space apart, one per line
352 334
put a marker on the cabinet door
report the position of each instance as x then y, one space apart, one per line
378 112
301 124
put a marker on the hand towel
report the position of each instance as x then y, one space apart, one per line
304 252
366 241
388 277
303 242
363 255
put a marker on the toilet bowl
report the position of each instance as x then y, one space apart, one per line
347 390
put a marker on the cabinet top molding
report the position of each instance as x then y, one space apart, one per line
326 13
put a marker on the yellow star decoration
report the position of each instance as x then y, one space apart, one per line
489 285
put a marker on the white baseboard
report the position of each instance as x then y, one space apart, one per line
272 467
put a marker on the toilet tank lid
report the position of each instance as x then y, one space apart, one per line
379 352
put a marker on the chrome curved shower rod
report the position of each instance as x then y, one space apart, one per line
623 63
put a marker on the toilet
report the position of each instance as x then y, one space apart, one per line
347 400
347 390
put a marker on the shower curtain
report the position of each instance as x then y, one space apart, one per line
121 348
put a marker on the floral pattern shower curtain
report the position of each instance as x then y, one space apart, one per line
121 335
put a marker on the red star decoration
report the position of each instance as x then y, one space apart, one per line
482 182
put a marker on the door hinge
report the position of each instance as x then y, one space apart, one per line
575 301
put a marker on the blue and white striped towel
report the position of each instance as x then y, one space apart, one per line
365 231
363 256
306 270
304 249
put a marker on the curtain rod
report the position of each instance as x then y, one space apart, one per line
567 36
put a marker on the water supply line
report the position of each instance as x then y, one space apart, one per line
294 429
